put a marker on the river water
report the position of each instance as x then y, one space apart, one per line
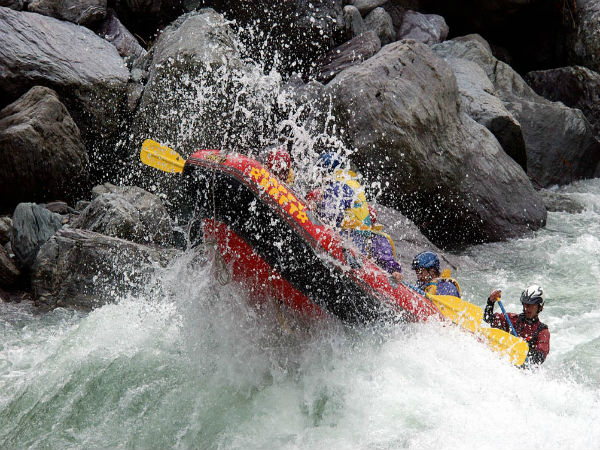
198 368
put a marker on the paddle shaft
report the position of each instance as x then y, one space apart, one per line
507 318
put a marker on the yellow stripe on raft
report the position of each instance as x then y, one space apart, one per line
470 317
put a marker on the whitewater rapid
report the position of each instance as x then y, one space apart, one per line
198 368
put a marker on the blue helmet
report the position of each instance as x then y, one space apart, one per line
330 161
426 260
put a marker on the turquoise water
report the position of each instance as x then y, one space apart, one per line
200 369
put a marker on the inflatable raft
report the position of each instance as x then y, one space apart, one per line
276 247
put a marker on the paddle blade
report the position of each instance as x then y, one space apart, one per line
464 314
506 344
161 157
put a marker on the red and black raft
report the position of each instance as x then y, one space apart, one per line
275 246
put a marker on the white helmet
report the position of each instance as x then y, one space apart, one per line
533 295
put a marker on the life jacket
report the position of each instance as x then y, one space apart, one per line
344 198
531 339
443 285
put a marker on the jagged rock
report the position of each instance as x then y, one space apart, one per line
479 100
380 22
577 87
33 225
40 151
353 21
127 212
439 167
91 81
83 269
559 141
557 202
426 28
81 12
354 51
9 272
114 32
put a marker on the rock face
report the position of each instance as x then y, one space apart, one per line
9 272
127 212
436 165
40 151
81 12
577 87
33 226
559 141
83 269
585 44
380 21
354 51
91 81
479 100
426 28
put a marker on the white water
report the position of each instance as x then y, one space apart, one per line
201 369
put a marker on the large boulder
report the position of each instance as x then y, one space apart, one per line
354 51
559 141
381 23
81 12
400 110
33 225
577 87
83 269
127 212
91 81
41 151
5 230
366 6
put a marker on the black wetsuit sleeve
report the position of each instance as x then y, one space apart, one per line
488 312
535 356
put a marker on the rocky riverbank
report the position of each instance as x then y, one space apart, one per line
442 111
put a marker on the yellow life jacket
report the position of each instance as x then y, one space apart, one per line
357 217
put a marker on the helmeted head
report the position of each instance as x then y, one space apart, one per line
279 162
330 161
533 295
427 266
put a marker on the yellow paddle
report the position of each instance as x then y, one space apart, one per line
161 157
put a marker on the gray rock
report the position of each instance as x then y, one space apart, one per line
380 22
576 87
353 52
366 6
557 202
559 141
478 99
353 21
585 43
40 151
5 230
91 80
426 28
114 32
81 12
33 225
127 212
9 272
448 174
198 47
82 269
